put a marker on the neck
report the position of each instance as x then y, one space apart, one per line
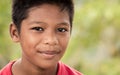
22 67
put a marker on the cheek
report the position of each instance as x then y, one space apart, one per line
28 44
64 42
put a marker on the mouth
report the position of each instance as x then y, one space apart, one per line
48 54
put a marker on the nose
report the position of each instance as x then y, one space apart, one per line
50 38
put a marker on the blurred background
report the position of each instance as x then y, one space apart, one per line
94 47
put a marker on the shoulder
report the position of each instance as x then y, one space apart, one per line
7 69
66 70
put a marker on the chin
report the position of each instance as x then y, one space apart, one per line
47 64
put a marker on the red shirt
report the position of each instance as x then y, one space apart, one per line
63 70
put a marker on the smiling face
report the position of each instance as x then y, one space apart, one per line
44 35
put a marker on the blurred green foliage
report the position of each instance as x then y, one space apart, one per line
94 48
4 21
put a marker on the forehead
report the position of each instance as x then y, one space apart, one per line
45 5
48 8
47 12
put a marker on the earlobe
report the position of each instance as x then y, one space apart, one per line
14 32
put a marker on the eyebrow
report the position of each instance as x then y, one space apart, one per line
64 23
38 22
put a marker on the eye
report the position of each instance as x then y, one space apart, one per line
37 28
61 29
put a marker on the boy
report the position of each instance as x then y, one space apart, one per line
43 28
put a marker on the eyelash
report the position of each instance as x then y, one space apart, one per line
62 29
42 29
37 28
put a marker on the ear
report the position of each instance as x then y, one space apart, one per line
14 32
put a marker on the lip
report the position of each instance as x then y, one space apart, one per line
49 54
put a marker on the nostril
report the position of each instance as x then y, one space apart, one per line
51 41
50 38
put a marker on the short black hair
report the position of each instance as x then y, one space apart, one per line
20 9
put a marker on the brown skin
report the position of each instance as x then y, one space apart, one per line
44 36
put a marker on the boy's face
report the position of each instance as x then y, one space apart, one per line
44 35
